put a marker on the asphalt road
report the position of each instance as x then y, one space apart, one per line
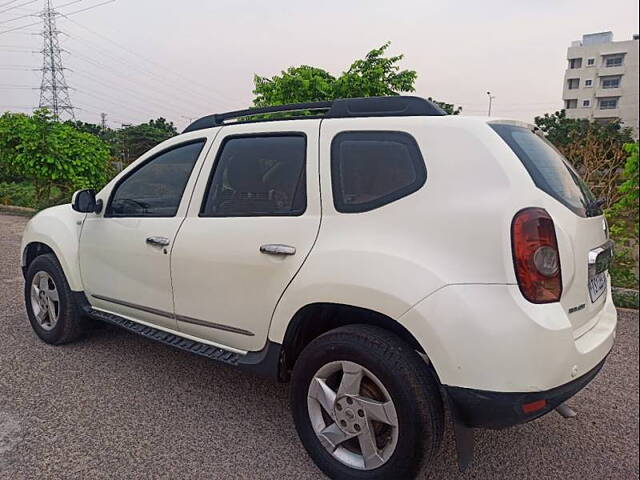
115 405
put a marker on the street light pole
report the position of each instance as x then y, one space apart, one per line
491 97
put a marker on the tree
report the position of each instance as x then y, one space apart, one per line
596 150
132 141
48 153
374 75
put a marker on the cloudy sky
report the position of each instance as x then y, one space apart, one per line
140 59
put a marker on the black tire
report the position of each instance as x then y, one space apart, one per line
408 381
70 324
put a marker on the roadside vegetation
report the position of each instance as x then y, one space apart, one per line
42 160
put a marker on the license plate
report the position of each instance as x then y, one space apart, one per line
597 285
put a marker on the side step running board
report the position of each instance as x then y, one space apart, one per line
167 338
268 362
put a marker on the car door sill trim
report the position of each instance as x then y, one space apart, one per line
218 326
135 306
180 318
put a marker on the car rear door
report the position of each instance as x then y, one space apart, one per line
252 222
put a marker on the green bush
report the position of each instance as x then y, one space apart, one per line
54 157
23 194
18 194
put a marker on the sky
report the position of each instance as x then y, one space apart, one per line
142 59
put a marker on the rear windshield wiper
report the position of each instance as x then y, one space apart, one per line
594 208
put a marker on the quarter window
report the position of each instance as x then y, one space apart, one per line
371 169
258 176
155 188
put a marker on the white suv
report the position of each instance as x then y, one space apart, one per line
386 258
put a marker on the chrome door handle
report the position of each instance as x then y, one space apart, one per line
277 249
158 241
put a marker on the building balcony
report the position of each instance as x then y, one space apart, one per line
606 113
608 92
606 71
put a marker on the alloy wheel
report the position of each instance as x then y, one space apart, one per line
353 415
45 300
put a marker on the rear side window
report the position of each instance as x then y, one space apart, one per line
548 169
371 169
258 176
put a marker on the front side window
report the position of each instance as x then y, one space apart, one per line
548 169
258 176
155 188
371 169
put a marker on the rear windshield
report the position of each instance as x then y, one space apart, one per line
549 170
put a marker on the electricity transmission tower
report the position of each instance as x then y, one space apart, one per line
54 92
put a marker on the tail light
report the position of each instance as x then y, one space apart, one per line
535 256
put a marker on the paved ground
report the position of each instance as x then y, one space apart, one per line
116 405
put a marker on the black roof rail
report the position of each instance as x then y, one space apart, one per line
392 106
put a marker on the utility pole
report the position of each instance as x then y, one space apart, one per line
491 97
54 92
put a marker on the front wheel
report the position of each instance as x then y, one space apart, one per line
52 311
365 405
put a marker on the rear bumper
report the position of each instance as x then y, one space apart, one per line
489 338
485 409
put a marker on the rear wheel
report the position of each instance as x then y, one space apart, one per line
365 404
52 311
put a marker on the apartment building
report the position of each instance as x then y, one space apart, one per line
601 81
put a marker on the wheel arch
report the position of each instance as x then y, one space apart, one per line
55 230
314 319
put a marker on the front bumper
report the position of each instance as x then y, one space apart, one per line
485 409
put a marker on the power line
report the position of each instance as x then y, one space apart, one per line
16 6
85 9
17 18
166 70
57 13
7 3
107 70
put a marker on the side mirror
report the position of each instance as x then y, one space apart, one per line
84 201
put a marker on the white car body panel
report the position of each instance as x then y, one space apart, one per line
118 265
438 261
59 228
220 277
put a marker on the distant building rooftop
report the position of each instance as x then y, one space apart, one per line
599 38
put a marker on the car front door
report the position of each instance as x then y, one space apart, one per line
124 251
253 220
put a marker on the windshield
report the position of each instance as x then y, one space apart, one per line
549 170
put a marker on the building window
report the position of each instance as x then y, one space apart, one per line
613 60
571 104
573 83
588 83
608 103
610 82
575 63
591 62
586 103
